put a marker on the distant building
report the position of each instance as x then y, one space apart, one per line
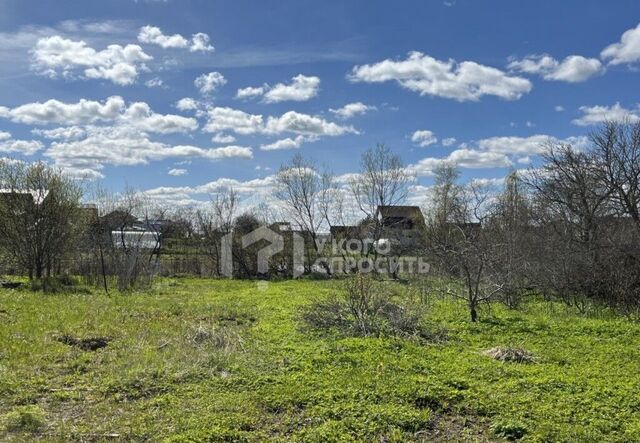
403 226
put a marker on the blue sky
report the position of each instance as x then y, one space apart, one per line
99 88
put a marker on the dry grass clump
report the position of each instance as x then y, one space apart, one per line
515 355
223 338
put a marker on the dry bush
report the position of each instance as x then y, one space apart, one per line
515 355
367 307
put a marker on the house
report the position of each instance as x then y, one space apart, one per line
403 226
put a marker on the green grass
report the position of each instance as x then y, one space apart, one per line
206 360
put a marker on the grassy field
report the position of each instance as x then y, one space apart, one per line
205 360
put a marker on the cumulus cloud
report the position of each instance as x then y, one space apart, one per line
464 81
54 111
154 35
223 138
573 69
423 138
209 83
301 88
627 50
593 115
114 109
286 143
53 56
463 158
448 141
62 133
250 92
229 119
186 104
496 152
352 109
200 43
128 146
25 147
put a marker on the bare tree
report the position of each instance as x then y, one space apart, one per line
216 221
382 181
459 243
39 215
304 192
616 148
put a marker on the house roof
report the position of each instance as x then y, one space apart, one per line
413 212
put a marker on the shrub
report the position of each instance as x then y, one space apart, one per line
367 307
25 418
511 430
516 355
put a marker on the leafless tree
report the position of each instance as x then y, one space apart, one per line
382 181
459 243
616 147
304 192
216 221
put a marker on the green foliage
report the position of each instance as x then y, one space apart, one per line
24 419
251 374
511 430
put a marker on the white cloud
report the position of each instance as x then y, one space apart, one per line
4 135
465 81
627 50
558 108
138 115
448 141
424 138
62 133
209 83
154 35
223 138
200 43
53 56
26 147
250 92
496 152
54 111
301 88
128 146
573 69
352 109
177 172
305 124
463 158
186 104
286 143
534 144
593 115
240 122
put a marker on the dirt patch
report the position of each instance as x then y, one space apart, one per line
86 344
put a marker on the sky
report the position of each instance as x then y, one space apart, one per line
182 98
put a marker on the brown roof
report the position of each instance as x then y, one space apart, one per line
400 211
